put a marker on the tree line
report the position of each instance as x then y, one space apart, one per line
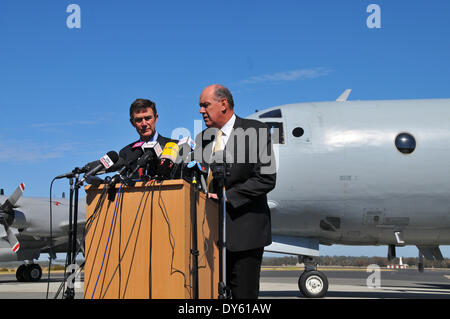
351 261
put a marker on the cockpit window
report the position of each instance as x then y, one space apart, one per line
276 130
273 113
405 143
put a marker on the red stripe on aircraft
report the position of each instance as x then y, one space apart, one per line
16 247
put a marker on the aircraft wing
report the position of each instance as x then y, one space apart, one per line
64 227
294 246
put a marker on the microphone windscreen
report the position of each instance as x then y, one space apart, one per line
113 156
89 166
170 151
132 158
94 180
117 165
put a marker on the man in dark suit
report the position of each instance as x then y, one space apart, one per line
247 144
143 117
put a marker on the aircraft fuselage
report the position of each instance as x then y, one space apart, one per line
341 178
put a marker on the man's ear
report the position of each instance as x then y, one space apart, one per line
132 123
224 105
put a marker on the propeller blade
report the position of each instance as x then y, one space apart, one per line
7 212
12 239
8 205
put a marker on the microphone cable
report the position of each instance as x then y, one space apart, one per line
88 223
128 241
171 240
151 243
51 241
107 243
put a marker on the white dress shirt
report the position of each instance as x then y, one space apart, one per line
226 131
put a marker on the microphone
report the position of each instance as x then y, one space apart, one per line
69 175
106 162
168 158
86 168
186 145
75 171
120 166
90 165
151 166
151 150
220 165
94 180
152 145
198 171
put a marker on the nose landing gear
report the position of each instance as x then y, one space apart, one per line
312 283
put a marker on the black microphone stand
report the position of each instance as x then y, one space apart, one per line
70 293
73 221
220 172
194 251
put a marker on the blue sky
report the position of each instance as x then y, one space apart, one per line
65 93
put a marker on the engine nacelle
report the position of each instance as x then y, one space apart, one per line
20 221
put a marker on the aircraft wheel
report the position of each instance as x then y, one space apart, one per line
20 273
34 272
313 284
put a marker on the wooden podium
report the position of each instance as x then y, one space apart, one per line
138 244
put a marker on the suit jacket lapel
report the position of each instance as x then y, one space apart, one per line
205 141
237 124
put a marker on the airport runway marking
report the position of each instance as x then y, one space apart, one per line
322 269
357 290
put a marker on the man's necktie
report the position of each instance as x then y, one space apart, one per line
217 147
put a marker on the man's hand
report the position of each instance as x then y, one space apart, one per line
213 196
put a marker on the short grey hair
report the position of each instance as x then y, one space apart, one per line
222 92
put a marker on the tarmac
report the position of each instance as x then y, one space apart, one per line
282 282
359 283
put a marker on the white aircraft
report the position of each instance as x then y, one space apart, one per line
25 230
359 173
